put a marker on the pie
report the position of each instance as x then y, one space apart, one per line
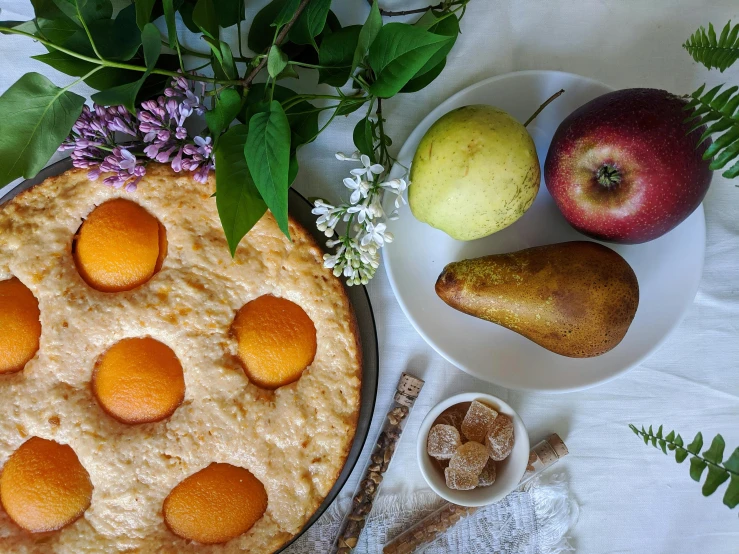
157 394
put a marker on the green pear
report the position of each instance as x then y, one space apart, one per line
475 172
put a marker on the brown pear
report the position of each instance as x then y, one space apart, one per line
576 298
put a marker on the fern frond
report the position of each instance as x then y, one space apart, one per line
719 111
718 470
714 52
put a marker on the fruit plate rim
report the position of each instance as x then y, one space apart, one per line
400 169
300 209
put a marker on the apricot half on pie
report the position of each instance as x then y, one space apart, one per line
139 380
21 328
119 246
216 504
43 486
277 340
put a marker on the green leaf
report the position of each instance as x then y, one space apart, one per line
261 32
350 105
225 111
713 53
310 22
659 432
125 95
367 35
634 429
205 17
302 116
363 137
417 83
47 9
276 61
267 153
695 446
117 39
144 9
186 10
228 64
716 476
288 9
171 22
57 30
91 10
696 468
238 201
715 453
230 12
732 464
398 53
446 25
670 436
37 116
336 55
662 445
731 497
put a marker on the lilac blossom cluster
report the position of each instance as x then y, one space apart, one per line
156 132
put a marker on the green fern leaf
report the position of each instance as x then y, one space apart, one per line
715 453
697 465
716 476
732 464
731 498
659 432
670 437
714 52
662 445
718 111
695 446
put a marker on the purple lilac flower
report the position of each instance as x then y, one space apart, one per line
162 122
94 145
157 132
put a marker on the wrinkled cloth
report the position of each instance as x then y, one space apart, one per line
633 498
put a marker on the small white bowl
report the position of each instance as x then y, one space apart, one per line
509 471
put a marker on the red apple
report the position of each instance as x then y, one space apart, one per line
623 168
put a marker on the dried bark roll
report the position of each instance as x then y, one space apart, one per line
364 496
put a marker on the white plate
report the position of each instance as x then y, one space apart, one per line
669 268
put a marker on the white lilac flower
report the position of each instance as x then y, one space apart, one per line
359 188
357 249
377 234
369 169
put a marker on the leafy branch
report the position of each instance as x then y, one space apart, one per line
444 4
714 52
719 112
719 471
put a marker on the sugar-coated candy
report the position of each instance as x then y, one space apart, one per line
477 421
443 441
500 438
488 474
459 479
471 456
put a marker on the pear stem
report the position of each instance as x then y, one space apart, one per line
548 101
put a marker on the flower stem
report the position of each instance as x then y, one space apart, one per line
108 63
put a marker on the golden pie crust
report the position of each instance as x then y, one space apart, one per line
295 439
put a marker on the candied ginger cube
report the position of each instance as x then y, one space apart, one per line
500 438
459 479
477 421
488 474
443 441
471 456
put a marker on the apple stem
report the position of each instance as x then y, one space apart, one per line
544 105
608 176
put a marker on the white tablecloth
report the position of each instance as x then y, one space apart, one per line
632 497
